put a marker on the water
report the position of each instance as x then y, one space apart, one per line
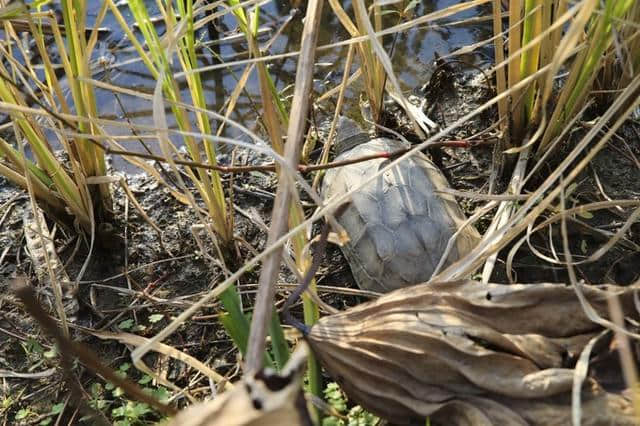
413 56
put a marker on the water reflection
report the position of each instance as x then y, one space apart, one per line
413 54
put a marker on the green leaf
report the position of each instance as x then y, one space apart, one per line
335 397
570 189
57 408
126 324
118 412
145 379
138 328
52 353
15 9
255 19
162 394
39 3
236 323
138 410
96 390
155 318
279 344
585 214
23 414
332 421
359 417
412 5
32 346
583 246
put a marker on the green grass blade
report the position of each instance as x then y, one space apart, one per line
530 58
279 344
236 323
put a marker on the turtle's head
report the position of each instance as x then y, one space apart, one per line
349 134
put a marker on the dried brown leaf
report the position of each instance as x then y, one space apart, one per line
264 398
470 353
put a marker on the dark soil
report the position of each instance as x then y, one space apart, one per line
133 274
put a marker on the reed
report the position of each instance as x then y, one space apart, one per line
275 119
37 105
370 64
588 48
208 183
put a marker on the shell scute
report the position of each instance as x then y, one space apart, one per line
366 251
394 211
407 241
368 206
383 240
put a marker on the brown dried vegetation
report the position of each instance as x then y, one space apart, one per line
468 353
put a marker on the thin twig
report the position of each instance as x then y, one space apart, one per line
303 85
306 281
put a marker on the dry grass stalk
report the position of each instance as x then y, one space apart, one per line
470 353
266 292
528 212
49 269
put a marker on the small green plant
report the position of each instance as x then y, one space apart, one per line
354 416
36 354
24 414
126 324
56 409
112 401
335 397
5 403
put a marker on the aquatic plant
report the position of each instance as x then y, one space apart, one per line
40 111
599 34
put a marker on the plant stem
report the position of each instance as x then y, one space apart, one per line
266 291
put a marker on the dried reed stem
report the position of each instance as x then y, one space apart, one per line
300 105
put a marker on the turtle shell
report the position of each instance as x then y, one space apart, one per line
398 225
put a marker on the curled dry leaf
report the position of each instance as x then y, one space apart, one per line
466 353
265 398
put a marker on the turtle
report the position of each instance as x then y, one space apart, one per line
399 224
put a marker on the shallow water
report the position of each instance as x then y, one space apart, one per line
413 54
